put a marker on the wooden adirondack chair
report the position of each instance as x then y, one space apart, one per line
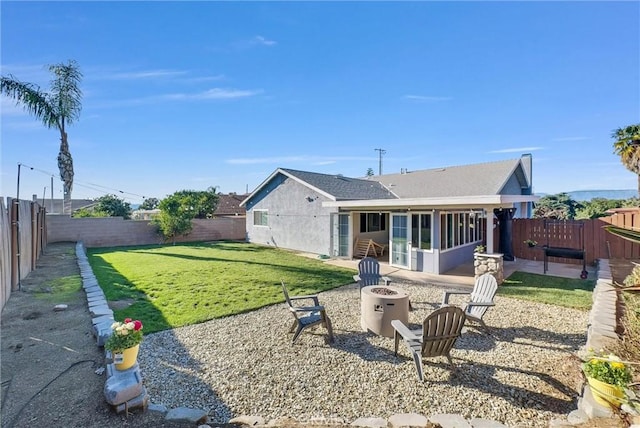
436 338
306 316
369 273
364 248
480 298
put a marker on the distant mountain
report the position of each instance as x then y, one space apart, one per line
587 195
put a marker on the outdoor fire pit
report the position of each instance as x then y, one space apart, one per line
380 305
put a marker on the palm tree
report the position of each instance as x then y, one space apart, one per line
56 109
627 146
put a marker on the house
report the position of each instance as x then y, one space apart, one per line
54 206
229 205
430 220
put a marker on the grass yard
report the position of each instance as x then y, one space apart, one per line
567 292
175 285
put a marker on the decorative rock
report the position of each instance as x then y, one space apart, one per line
280 422
204 426
247 420
629 409
450 421
60 307
486 423
101 311
186 414
492 263
103 318
577 417
408 420
159 408
122 386
370 422
559 423
141 401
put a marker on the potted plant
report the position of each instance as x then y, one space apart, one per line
480 249
531 243
124 343
608 377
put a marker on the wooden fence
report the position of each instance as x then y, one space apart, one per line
23 237
589 235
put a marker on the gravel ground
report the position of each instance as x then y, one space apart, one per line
525 375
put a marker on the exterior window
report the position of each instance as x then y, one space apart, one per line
460 228
260 218
372 222
421 231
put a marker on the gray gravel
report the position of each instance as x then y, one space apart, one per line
246 365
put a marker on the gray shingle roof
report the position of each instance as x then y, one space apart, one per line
465 180
343 188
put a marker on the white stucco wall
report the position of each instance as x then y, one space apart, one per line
297 220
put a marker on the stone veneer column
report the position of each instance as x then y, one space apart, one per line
491 263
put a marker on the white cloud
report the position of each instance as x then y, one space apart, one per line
213 94
425 98
316 160
259 40
517 150
148 74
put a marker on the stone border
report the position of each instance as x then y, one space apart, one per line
601 333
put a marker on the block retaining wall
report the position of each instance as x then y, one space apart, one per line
115 231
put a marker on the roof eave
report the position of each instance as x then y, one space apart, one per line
449 201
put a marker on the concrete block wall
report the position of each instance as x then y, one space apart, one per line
115 231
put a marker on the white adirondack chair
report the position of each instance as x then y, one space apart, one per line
480 298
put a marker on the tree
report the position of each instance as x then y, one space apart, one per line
370 172
113 206
57 108
88 212
560 207
150 204
178 209
106 206
627 146
172 220
201 204
597 207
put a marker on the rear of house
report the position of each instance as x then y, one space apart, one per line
429 220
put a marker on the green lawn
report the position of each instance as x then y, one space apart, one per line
567 292
172 286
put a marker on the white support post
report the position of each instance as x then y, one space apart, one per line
489 230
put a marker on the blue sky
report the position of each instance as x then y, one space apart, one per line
195 94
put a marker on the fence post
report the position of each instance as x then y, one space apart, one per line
15 245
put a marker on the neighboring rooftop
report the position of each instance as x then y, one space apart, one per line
229 205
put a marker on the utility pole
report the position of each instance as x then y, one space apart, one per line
381 152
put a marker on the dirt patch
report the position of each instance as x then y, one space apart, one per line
49 359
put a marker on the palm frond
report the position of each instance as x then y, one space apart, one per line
65 90
31 98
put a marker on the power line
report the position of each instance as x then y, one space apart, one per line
88 185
